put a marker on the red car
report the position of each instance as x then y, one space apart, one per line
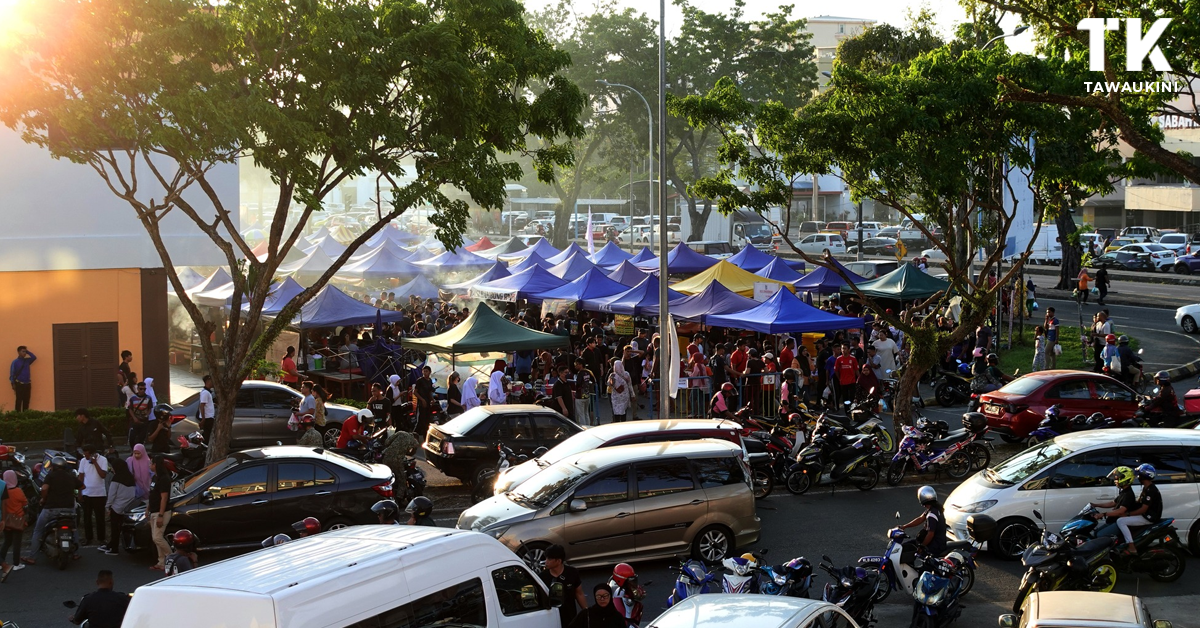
1016 409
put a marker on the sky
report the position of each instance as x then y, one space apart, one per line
893 12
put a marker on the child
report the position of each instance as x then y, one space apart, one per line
1039 348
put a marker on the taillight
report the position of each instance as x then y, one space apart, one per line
64 527
384 490
175 418
447 448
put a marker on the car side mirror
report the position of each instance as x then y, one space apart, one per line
577 505
537 453
1037 513
206 497
72 604
826 558
1161 623
1008 621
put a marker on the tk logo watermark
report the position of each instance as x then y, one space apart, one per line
1138 47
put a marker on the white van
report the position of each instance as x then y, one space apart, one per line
1047 248
1059 477
354 578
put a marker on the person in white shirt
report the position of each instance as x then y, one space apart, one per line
92 471
207 411
885 349
309 404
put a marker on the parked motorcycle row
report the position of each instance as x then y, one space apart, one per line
1055 423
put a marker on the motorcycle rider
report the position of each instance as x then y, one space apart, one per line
58 500
722 404
1124 503
91 432
311 437
420 512
1131 364
1108 353
354 427
387 511
627 593
103 608
1149 506
1165 404
184 557
933 535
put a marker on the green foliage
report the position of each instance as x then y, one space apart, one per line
353 403
36 425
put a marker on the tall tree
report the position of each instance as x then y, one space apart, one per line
912 139
154 94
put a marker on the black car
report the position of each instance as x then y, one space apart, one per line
466 445
253 494
260 416
876 246
1127 260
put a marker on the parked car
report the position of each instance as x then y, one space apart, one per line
1060 476
724 610
253 494
872 269
1015 410
645 236
1177 242
1187 316
869 229
260 415
1082 609
1108 234
357 577
1162 257
889 232
654 500
818 243
1117 243
876 246
1139 234
811 226
841 228
614 434
718 249
465 446
934 255
1127 260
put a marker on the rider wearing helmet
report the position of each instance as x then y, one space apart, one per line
354 426
989 377
1149 506
626 592
1125 502
184 556
420 512
159 439
933 535
307 526
58 501
1131 364
310 436
722 404
1108 353
278 539
387 511
1165 404
791 385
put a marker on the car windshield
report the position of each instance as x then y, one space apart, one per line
1022 386
203 478
1173 238
761 229
1021 466
548 484
576 444
465 422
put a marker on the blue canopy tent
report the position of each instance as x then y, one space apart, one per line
388 245
593 284
628 274
681 260
380 264
785 313
533 260
542 247
331 247
751 259
527 284
497 271
419 287
566 254
643 255
420 254
610 256
825 281
573 267
217 279
455 261
309 269
779 271
699 307
634 301
511 247
279 296
393 234
333 308
188 277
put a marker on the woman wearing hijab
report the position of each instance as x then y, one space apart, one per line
398 414
620 387
470 393
602 614
122 493
150 391
500 366
497 389
139 465
12 520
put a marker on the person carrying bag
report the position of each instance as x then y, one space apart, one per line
13 520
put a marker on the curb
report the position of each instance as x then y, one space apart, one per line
1115 298
1184 372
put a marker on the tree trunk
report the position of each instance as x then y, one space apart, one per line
562 230
225 389
1072 253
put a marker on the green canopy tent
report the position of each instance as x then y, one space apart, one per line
486 331
906 283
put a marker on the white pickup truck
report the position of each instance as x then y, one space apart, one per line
910 234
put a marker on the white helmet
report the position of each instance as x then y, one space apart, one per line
365 415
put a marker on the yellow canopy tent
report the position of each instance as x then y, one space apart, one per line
728 275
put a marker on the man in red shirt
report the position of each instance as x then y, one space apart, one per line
351 430
787 353
738 359
845 370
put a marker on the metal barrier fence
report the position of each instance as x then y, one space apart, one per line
760 390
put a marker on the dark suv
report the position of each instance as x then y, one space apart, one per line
260 416
466 445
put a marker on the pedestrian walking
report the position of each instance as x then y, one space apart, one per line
1039 348
93 468
19 377
206 411
13 520
1083 279
470 398
160 515
1102 283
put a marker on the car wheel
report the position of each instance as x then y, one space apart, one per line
1013 535
1183 269
337 524
330 434
712 544
1010 439
534 555
1189 324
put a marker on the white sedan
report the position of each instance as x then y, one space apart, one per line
1187 316
1162 257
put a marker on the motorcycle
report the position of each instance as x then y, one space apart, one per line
627 599
793 578
937 593
852 589
901 565
694 578
952 388
191 457
1056 424
1054 563
740 574
934 447
12 460
1159 552
414 479
58 540
860 418
485 483
834 457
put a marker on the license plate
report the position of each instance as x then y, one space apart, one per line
992 410
66 545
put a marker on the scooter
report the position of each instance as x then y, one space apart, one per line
1159 552
1056 424
951 388
414 479
793 578
12 460
485 483
627 599
191 457
900 566
58 540
958 453
835 457
852 589
937 594
694 578
1054 563
739 576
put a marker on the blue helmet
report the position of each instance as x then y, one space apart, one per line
1145 471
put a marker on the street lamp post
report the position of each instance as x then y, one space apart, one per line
649 157
664 368
1016 31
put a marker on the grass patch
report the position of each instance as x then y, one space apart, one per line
1020 356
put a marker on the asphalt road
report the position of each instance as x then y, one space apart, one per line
1165 345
